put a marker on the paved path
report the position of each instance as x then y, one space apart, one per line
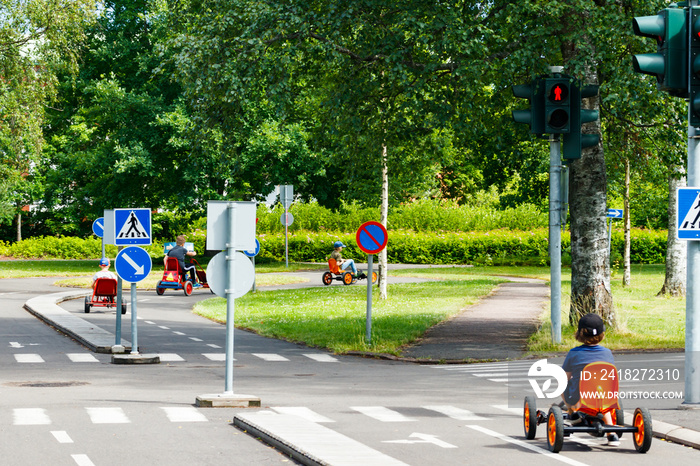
497 327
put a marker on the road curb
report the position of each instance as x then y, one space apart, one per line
47 308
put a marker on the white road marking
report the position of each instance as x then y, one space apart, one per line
215 356
526 445
382 414
456 413
423 438
195 339
212 345
82 357
178 333
15 344
321 357
170 357
28 358
30 417
184 414
62 436
303 412
164 327
107 416
270 357
82 460
149 322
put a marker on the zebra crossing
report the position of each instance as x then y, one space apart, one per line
185 414
35 358
511 373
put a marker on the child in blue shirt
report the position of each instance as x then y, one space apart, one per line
591 331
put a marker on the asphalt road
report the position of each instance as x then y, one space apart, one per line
61 404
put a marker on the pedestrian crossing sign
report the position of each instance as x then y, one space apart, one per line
132 227
688 214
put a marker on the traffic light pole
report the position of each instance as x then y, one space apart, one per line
692 302
555 167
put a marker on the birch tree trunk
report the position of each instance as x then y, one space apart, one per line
676 252
19 226
590 265
626 274
384 216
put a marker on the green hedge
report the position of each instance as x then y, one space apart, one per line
489 247
510 247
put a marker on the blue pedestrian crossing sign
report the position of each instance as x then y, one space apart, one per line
688 217
132 227
133 264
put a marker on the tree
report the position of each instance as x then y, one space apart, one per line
36 36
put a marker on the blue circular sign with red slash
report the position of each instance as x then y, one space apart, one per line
371 237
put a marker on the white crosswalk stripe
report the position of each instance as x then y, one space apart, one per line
184 414
30 417
270 357
382 414
82 357
303 412
321 357
107 416
456 413
215 356
170 357
28 358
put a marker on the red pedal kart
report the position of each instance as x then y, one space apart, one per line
104 294
600 382
175 279
334 273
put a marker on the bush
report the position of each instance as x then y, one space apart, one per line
420 216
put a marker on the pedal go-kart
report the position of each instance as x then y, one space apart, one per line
601 380
104 294
175 279
334 273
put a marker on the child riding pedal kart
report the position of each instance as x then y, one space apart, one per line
175 275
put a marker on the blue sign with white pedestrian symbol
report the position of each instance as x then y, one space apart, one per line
133 264
132 227
98 227
688 217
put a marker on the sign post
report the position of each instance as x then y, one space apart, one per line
371 238
108 238
230 227
612 213
252 253
286 197
133 264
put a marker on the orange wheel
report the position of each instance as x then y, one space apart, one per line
555 429
642 438
530 417
327 278
348 278
374 277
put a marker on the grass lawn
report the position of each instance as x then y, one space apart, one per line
334 317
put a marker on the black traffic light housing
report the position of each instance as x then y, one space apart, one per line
534 116
557 103
670 62
694 97
575 140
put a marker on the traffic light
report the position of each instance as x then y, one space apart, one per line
574 141
670 62
557 105
535 115
694 100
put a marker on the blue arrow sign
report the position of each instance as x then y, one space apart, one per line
688 217
98 227
132 227
133 264
614 213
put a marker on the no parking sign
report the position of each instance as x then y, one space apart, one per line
371 237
